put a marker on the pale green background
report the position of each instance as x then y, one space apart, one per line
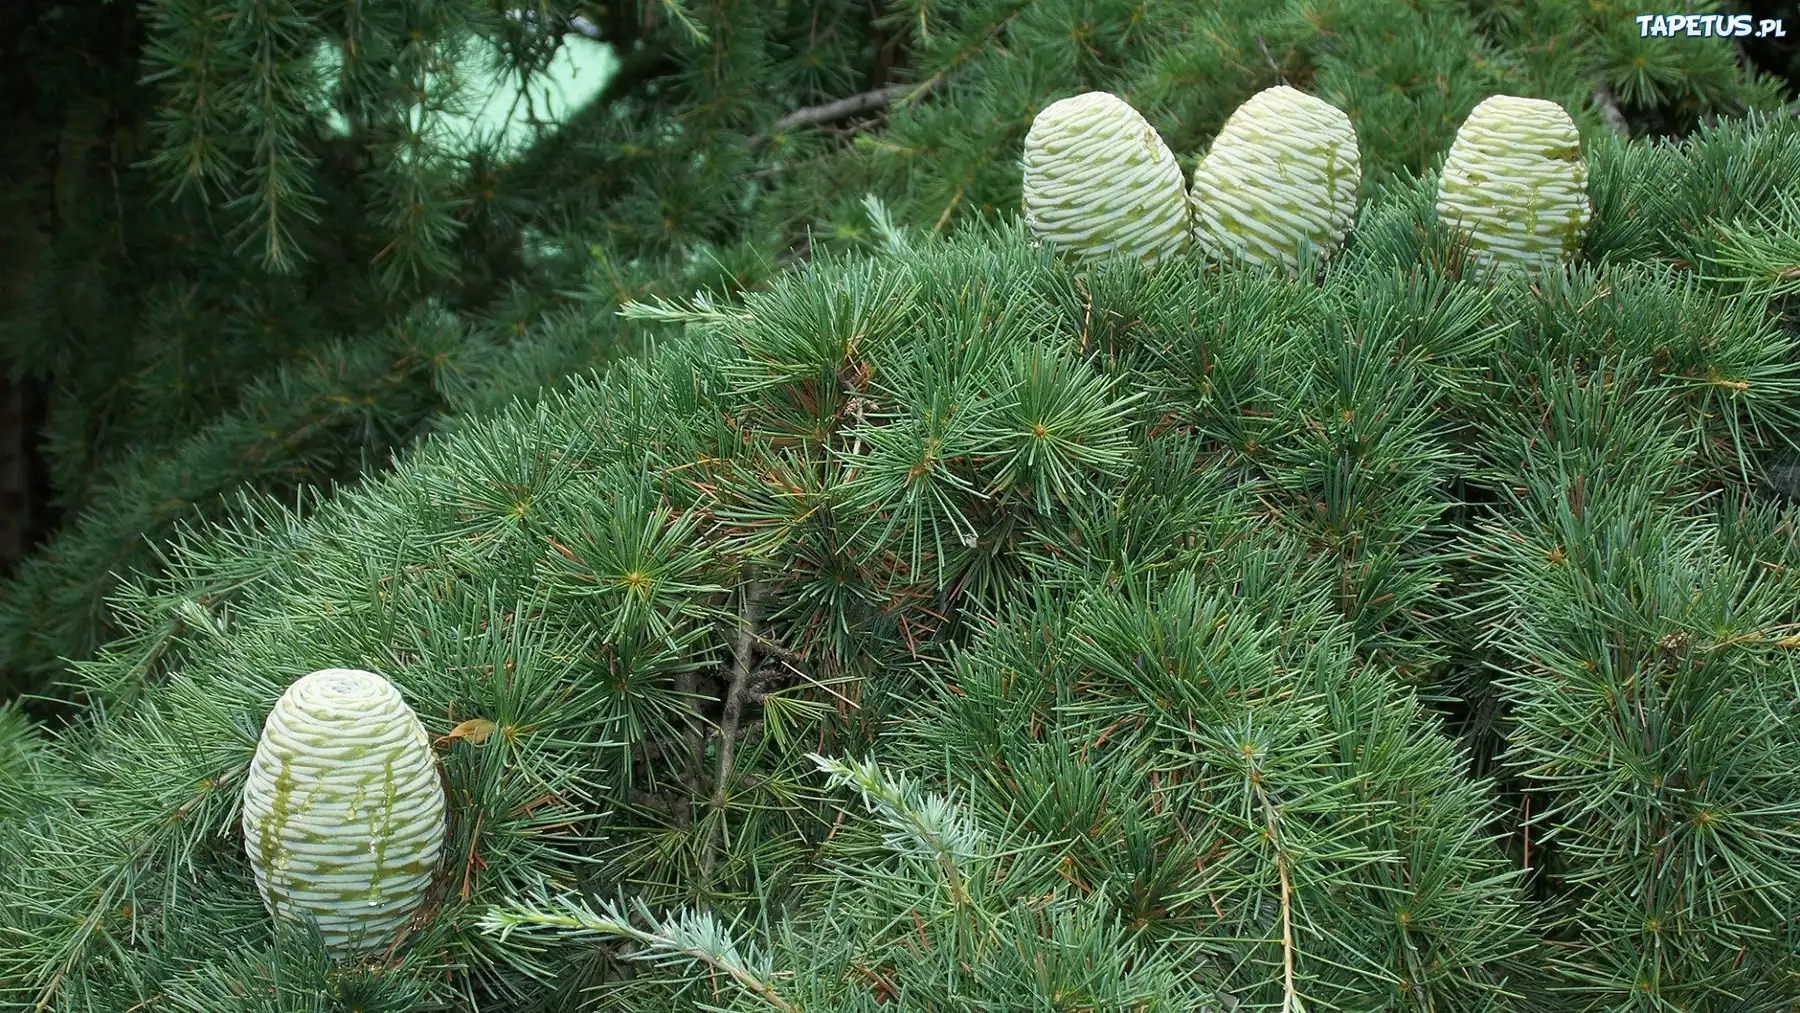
492 103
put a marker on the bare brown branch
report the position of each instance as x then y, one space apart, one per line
851 105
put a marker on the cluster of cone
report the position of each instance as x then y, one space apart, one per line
1283 174
343 810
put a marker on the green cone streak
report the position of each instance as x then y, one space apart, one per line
1099 179
1515 185
1284 168
343 810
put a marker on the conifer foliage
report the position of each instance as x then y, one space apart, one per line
235 263
949 626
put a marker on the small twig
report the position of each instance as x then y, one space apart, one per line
1290 995
469 863
1525 828
1260 44
898 94
1609 109
734 708
943 219
838 109
856 446
1417 969
771 671
576 23
771 647
685 687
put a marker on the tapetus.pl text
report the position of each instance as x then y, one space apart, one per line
1710 26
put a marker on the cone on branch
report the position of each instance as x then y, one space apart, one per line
1183 640
343 809
1142 582
1515 185
1099 180
1282 172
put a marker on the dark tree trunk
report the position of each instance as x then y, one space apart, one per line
24 489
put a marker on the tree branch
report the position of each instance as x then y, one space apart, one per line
1290 991
849 106
881 97
686 687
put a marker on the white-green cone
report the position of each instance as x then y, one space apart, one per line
1099 180
1284 168
1515 185
343 810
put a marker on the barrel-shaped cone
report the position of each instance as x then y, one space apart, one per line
1283 171
343 810
1515 186
1099 180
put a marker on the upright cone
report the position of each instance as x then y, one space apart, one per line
1515 185
1099 180
1284 169
343 810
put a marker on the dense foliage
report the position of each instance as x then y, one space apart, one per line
231 264
943 627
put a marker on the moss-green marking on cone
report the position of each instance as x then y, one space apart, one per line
1515 185
343 809
1099 180
1284 169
